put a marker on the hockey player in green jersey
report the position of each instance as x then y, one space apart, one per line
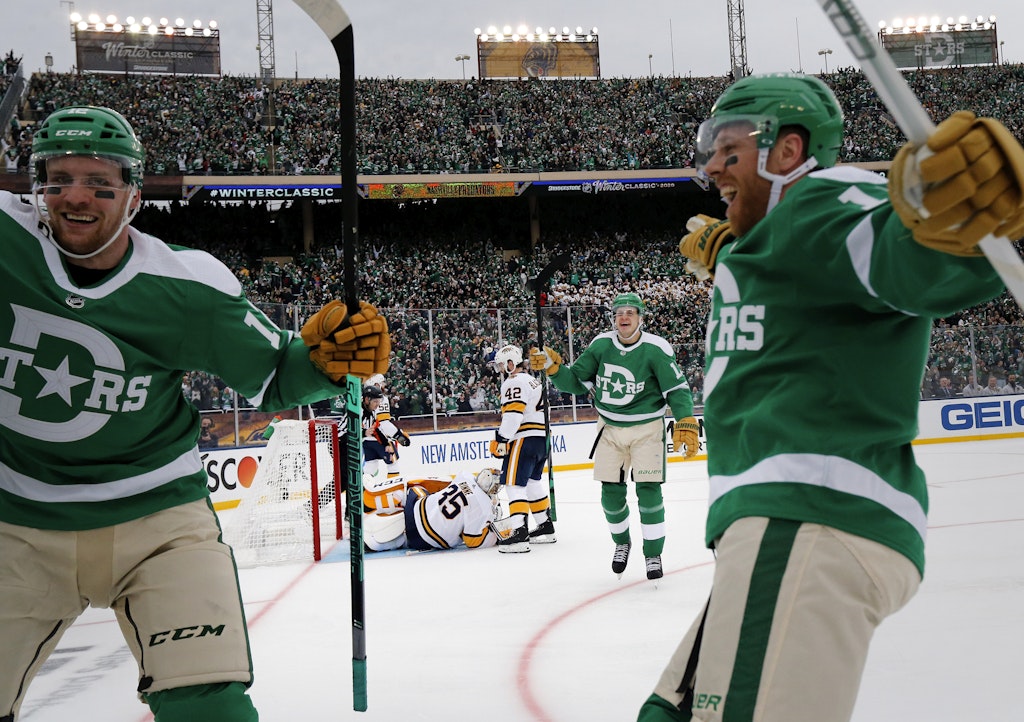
818 510
633 376
103 495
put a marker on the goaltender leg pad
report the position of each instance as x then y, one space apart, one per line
203 703
383 532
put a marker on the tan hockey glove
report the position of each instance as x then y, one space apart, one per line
341 344
965 184
701 245
499 447
549 360
684 434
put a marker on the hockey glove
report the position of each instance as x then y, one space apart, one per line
701 245
684 434
341 344
402 438
548 359
499 447
965 184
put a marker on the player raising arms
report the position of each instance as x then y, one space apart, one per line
103 496
818 511
633 375
521 442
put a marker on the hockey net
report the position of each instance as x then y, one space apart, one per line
293 505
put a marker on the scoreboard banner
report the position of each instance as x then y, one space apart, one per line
413 191
143 53
941 49
539 60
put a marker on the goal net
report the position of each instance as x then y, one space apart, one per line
293 506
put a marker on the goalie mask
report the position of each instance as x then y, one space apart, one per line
489 480
764 105
505 356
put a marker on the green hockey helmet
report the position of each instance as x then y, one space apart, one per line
772 101
629 299
87 130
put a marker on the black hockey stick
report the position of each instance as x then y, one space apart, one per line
538 285
913 120
332 19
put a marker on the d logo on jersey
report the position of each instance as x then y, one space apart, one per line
733 326
109 391
617 385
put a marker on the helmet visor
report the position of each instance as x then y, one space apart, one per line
727 134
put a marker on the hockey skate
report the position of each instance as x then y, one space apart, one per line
654 572
544 533
620 557
516 542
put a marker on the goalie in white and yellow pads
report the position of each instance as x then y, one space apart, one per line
425 514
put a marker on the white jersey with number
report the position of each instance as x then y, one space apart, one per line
460 513
522 407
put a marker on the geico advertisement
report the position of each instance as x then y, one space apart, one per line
972 417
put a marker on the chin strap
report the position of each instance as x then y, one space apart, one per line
781 181
634 336
126 218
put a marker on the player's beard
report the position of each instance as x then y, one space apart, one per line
81 231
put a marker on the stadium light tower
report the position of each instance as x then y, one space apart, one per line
737 39
265 44
462 57
825 52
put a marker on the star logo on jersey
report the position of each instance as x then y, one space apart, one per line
617 385
59 381
110 389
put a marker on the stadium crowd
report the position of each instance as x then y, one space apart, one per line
453 300
235 125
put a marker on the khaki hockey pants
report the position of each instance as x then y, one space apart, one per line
169 579
792 611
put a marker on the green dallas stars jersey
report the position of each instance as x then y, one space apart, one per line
630 384
816 345
94 429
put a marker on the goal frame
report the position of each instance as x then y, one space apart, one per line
336 482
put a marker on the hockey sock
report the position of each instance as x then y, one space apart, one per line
225 702
616 512
652 517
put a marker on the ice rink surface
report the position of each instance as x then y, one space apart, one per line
554 636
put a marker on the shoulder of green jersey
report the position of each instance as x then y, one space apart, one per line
849 174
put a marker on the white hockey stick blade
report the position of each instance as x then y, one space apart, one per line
912 119
329 15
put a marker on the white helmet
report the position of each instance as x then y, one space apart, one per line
375 380
506 354
489 480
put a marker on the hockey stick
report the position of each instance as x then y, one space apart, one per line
538 285
332 19
912 119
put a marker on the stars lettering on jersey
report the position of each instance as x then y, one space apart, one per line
618 387
59 381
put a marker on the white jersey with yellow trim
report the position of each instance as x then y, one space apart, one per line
522 407
460 513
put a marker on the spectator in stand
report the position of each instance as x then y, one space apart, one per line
1011 386
992 388
973 388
